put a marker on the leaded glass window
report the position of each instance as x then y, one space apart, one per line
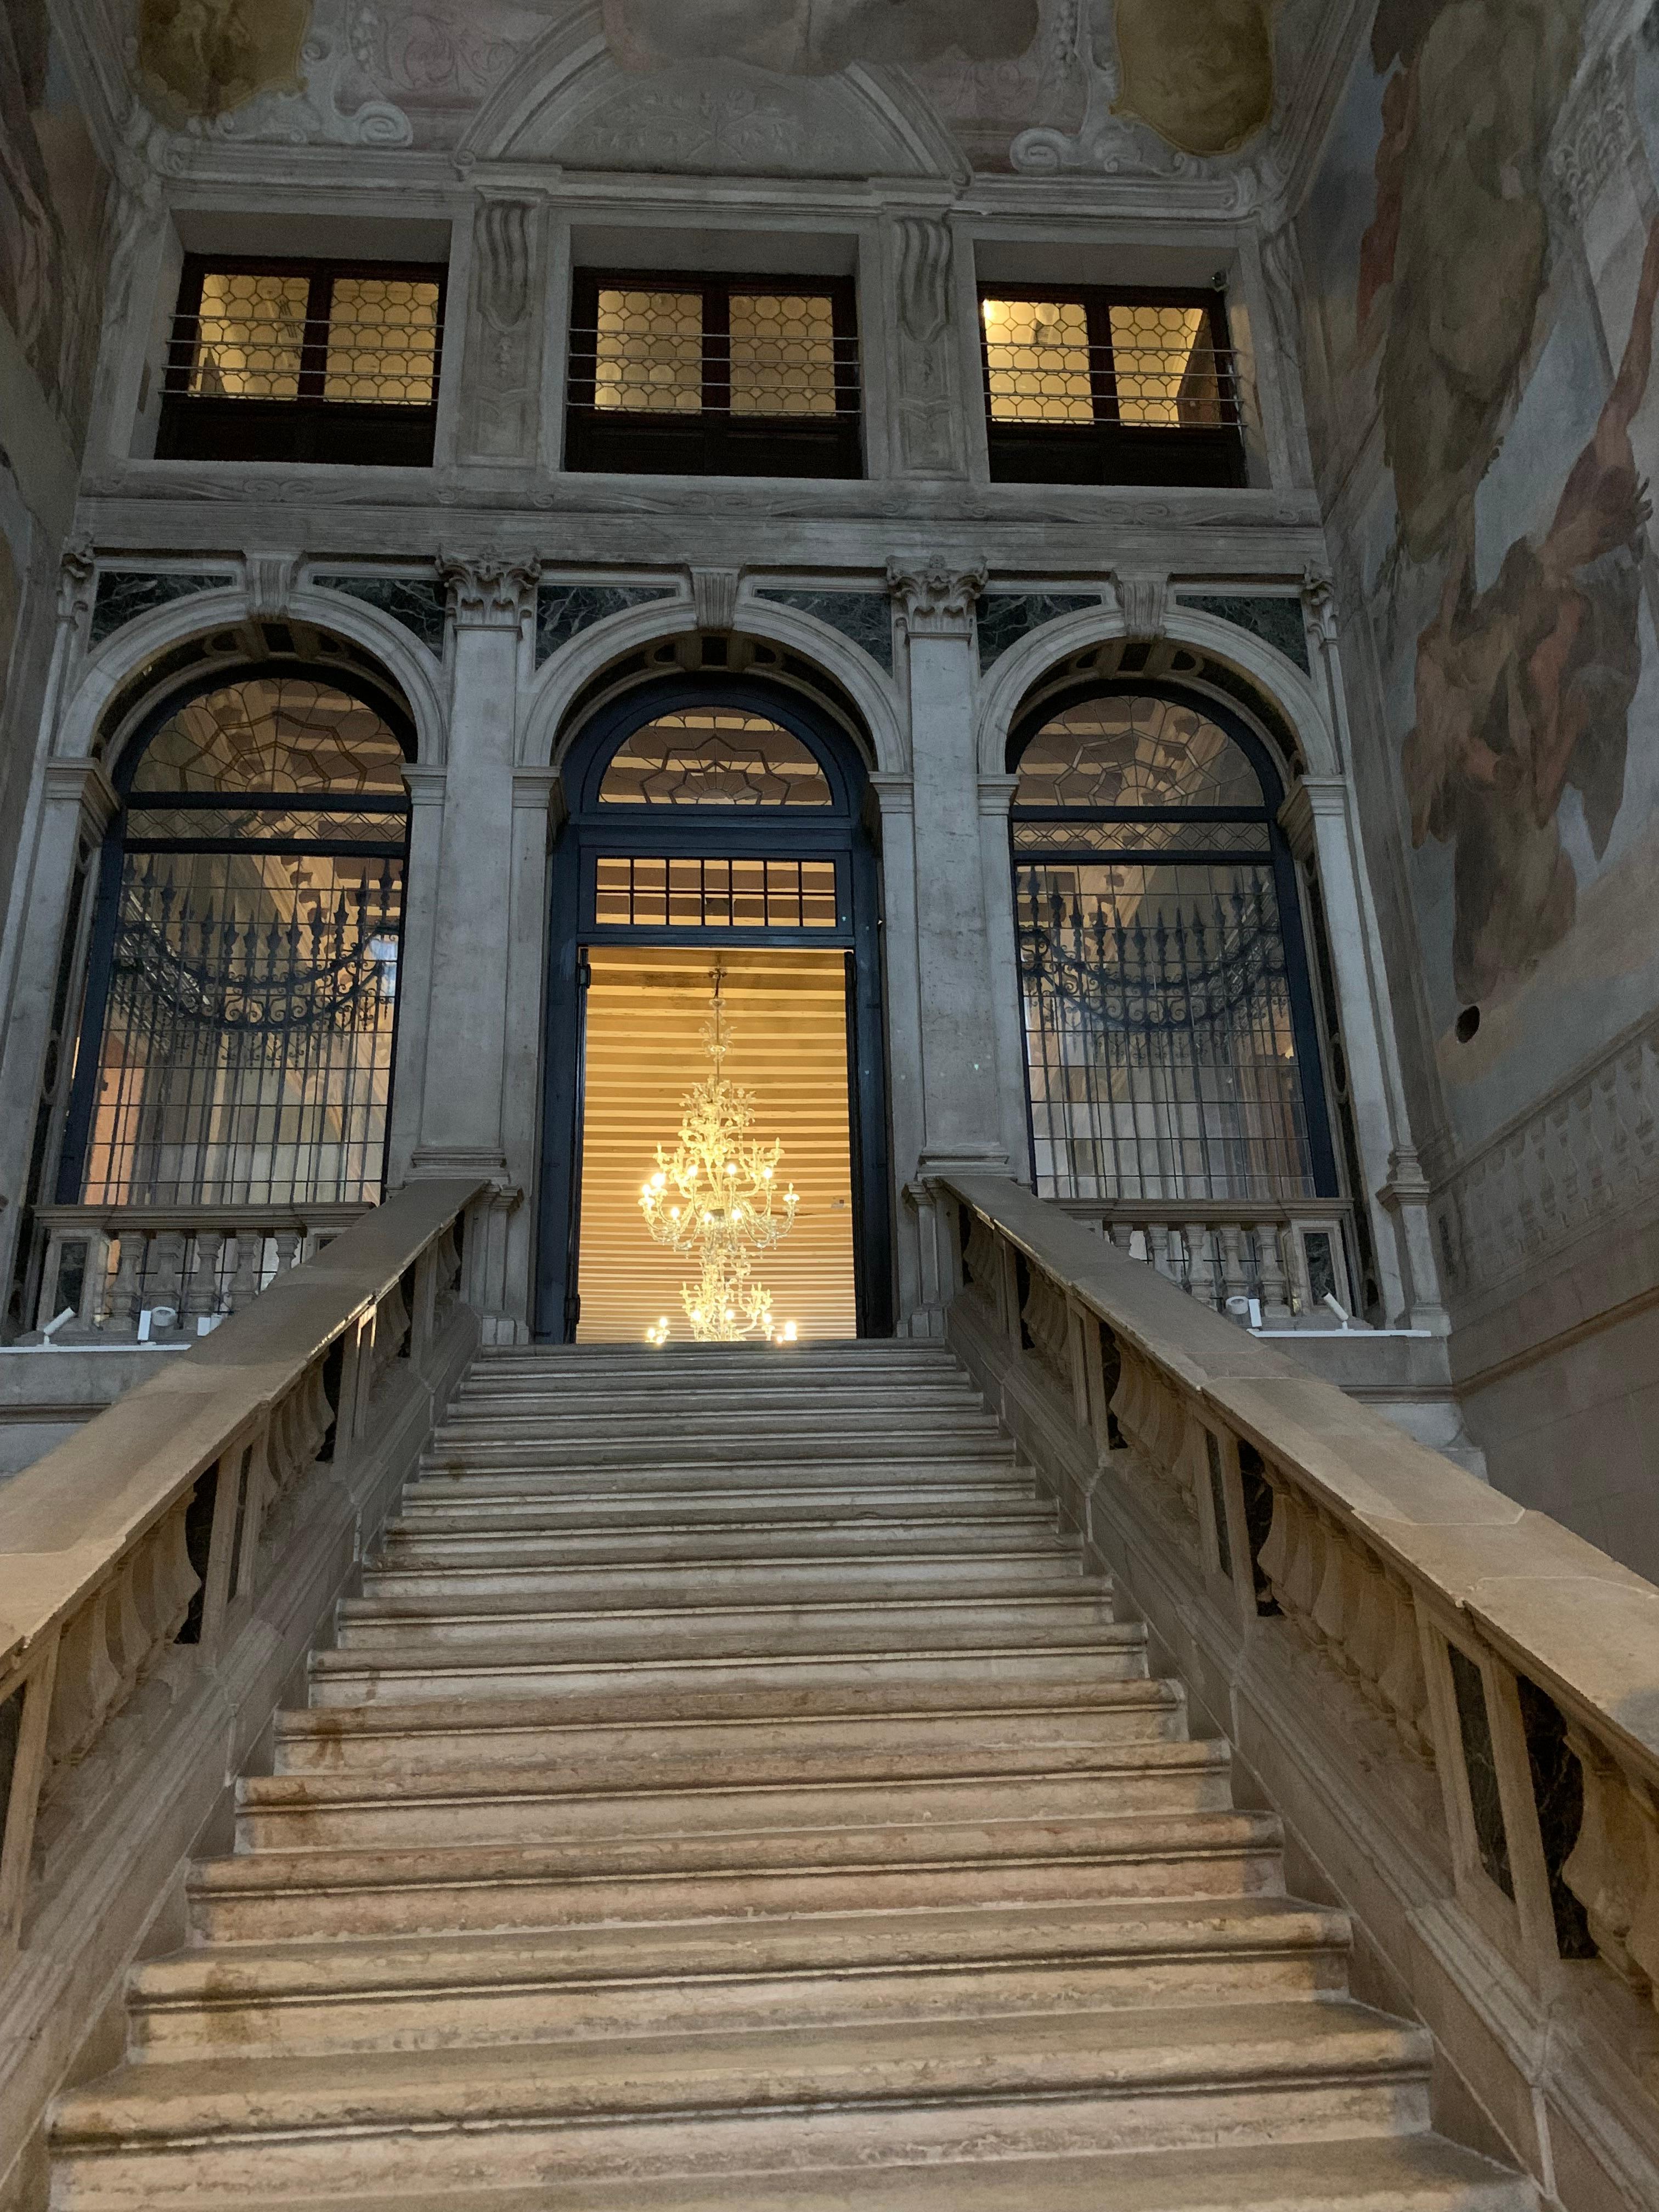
1170 1050
712 756
243 1000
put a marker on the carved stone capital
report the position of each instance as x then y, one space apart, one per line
77 579
492 591
1143 599
936 598
1319 604
996 796
84 785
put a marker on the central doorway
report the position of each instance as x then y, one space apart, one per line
716 828
647 1011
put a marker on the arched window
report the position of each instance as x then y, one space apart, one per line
236 1046
712 756
1171 1052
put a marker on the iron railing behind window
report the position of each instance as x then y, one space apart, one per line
295 361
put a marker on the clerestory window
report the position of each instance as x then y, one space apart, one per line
304 361
1095 387
676 375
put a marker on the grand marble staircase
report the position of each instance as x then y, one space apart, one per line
731 1794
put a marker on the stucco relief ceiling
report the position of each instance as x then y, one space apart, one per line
1108 86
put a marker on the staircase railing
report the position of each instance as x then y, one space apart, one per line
164 1571
1454 1701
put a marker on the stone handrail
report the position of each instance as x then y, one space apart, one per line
1461 1679
107 1264
134 1556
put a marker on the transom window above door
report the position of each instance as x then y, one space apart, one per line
679 374
1088 386
712 756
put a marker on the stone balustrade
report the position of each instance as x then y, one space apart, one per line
1454 1700
161 1571
109 1266
1285 1254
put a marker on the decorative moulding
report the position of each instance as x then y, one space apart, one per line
564 610
866 618
715 597
936 596
124 594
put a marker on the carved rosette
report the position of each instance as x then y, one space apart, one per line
491 592
936 598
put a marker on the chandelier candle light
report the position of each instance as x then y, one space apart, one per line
715 1201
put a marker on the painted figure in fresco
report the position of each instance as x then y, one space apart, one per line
1200 73
1460 234
203 57
1526 688
814 37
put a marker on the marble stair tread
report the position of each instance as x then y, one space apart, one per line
1389 2173
1005 1600
904 1402
879 1450
405 1548
605 1774
719 1717
293 1812
1101 2053
791 1943
489 1502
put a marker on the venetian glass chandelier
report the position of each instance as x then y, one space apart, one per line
715 1202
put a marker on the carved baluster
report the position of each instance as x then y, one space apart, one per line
1200 1266
289 1242
201 1291
1404 1687
165 1273
1158 1251
1276 1302
1232 1263
245 1278
1602 1868
124 1291
88 1685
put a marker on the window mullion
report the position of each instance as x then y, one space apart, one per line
314 352
717 351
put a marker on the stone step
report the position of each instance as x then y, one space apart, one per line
669 1498
308 1895
880 1452
423 1549
673 1616
780 1399
485 1658
997 1724
398 1579
726 2103
753 1974
501 1805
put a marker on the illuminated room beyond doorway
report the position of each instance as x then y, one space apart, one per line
784 1014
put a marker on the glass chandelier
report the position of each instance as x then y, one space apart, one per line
714 1201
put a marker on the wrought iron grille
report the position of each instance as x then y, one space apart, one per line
1160 1043
247 1054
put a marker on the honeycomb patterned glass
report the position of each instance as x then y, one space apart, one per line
648 353
1125 752
272 733
1165 367
248 338
382 341
712 756
1036 353
783 355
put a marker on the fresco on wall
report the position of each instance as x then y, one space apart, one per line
1483 251
1089 84
54 189
204 57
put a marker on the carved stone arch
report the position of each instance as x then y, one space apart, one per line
121 681
568 100
850 684
1196 650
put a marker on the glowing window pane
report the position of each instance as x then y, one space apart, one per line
1037 362
648 352
275 733
783 355
712 756
382 341
249 336
1119 752
1164 368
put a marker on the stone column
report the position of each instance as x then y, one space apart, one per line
902 995
463 1103
961 1106
1318 816
996 797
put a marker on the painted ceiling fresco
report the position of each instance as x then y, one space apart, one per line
1039 85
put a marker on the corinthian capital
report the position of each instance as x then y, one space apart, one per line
936 596
76 579
488 591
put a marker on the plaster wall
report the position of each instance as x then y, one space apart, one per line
1481 288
